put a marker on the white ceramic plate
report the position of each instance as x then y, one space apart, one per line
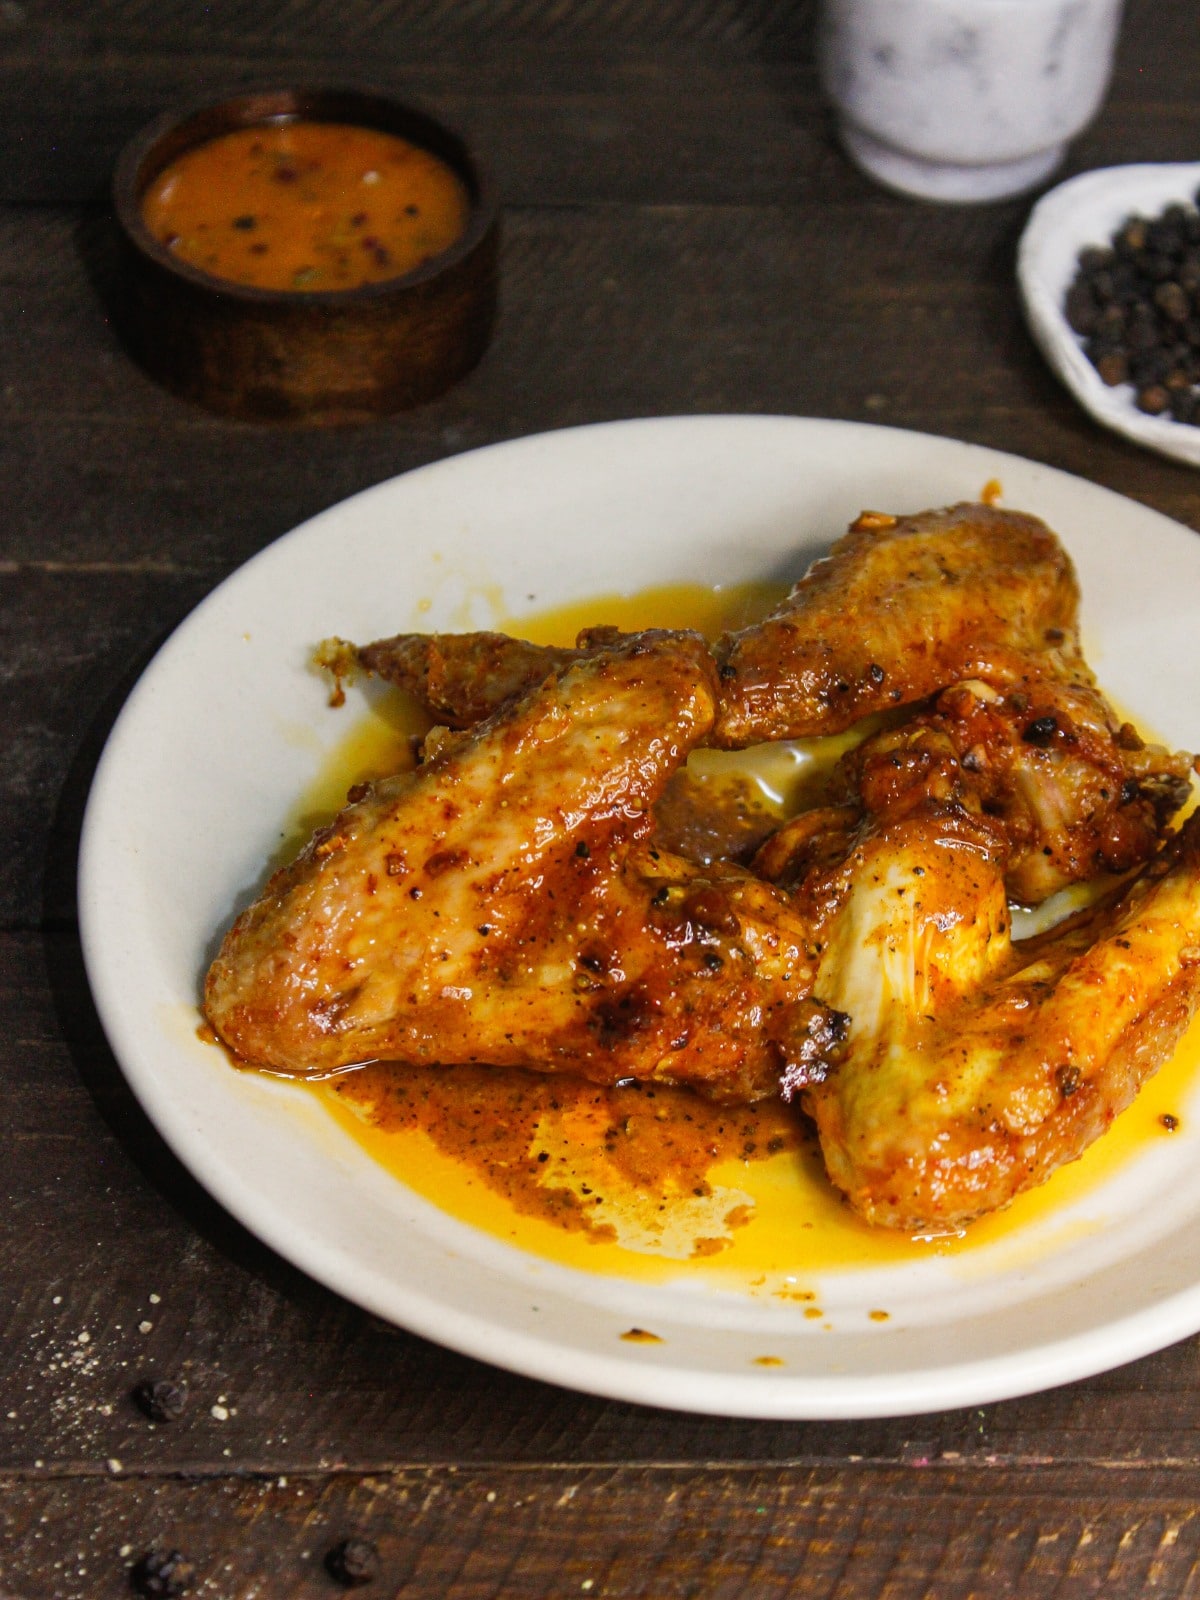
1088 210
228 725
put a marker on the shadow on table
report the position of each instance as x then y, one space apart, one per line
83 1033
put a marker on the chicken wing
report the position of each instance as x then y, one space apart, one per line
1076 793
973 1066
901 607
506 904
460 678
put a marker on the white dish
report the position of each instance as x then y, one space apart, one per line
228 724
1088 210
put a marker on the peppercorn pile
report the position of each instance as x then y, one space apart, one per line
1136 306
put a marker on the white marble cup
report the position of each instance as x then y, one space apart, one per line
964 100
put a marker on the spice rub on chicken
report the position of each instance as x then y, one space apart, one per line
506 904
898 609
554 888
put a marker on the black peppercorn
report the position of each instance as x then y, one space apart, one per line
161 1575
1081 309
1135 306
1172 301
161 1400
1092 259
352 1562
1040 731
1147 367
1154 400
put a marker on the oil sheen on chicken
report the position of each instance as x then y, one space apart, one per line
973 1066
506 903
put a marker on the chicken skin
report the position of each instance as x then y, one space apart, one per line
460 678
973 1066
975 605
505 903
900 607
1076 794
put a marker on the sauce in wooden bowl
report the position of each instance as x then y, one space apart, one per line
306 205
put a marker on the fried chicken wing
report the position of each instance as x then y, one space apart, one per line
900 607
1076 793
460 678
506 904
973 604
973 1066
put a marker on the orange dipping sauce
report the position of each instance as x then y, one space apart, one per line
306 205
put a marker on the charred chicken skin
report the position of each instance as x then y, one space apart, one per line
505 903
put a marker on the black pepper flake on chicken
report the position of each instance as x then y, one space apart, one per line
1135 304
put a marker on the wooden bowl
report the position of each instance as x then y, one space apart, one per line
299 355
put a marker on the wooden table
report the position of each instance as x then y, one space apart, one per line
682 235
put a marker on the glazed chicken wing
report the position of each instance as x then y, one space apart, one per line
973 1066
1076 794
900 607
525 898
460 678
506 904
974 604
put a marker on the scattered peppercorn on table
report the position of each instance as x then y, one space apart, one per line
181 1411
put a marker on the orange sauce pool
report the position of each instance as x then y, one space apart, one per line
650 1183
306 205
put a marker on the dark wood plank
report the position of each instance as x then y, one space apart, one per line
674 1534
69 656
605 313
559 125
606 103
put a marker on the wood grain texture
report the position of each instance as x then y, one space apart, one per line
600 102
674 1534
